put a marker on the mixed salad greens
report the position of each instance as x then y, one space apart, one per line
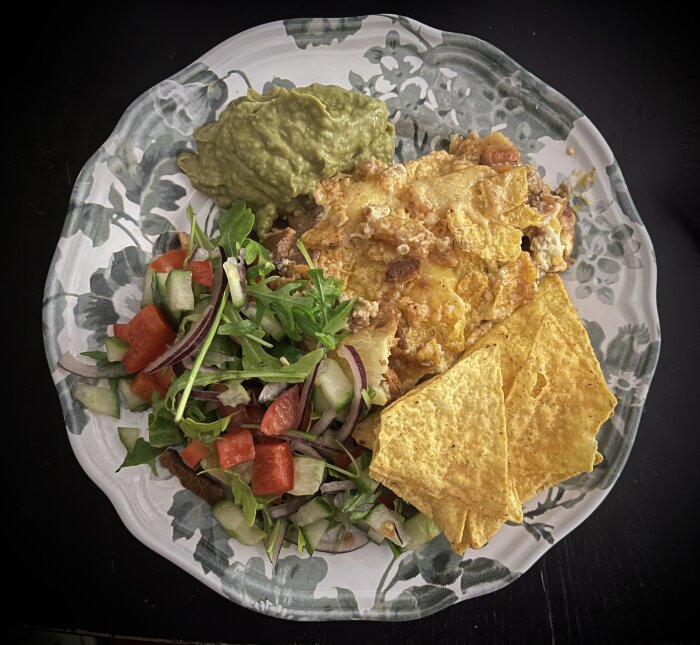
250 386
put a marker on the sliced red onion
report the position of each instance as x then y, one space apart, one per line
297 446
271 391
194 337
204 395
287 509
326 419
71 364
318 445
337 486
342 540
359 375
305 400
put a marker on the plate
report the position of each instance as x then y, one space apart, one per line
130 195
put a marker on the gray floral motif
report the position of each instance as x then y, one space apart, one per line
439 567
290 588
435 91
185 106
603 249
190 514
621 193
119 284
321 31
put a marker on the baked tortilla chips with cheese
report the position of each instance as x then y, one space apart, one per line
440 447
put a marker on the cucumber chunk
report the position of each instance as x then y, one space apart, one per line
420 529
147 297
231 518
314 510
335 386
133 401
179 296
308 475
313 534
98 399
116 348
128 437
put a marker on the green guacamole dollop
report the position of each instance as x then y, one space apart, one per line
269 149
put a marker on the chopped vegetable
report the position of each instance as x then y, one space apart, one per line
282 414
235 447
273 468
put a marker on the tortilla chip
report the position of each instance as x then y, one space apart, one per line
477 234
465 460
503 191
552 425
514 335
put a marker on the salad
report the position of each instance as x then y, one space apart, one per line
251 394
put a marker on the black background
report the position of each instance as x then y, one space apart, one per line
628 574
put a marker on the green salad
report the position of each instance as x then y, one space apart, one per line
252 395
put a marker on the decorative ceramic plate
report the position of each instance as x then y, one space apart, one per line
130 195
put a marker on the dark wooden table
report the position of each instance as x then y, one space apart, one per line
628 574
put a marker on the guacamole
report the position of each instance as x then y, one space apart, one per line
270 148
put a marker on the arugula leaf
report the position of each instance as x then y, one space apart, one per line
244 497
205 431
163 431
100 357
235 225
142 453
301 540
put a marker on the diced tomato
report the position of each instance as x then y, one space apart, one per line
174 259
202 273
121 330
273 468
343 461
234 447
144 385
387 499
149 335
282 414
194 452
164 377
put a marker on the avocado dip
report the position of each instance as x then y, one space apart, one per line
268 149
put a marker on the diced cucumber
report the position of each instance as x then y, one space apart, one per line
116 348
319 400
211 464
274 538
267 323
160 299
376 537
313 534
133 401
98 399
244 471
308 475
314 510
128 437
161 278
234 282
335 386
419 529
231 518
387 523
178 290
147 297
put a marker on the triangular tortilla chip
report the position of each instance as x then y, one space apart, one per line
554 410
449 437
